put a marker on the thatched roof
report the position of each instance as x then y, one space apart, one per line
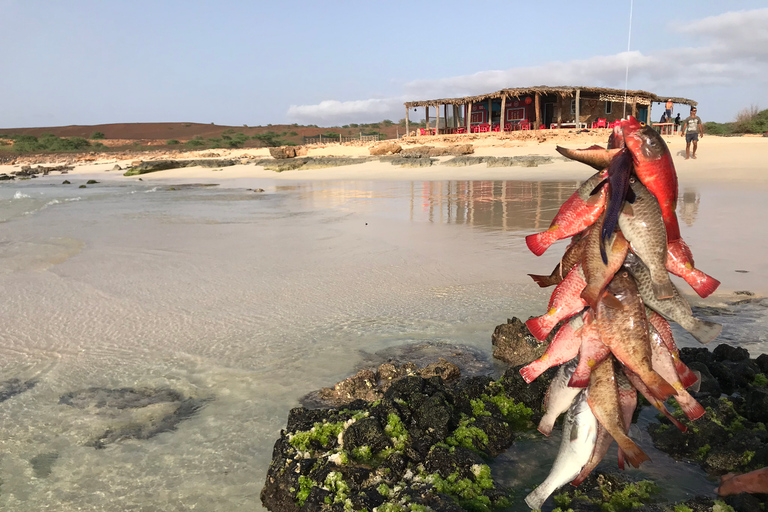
563 91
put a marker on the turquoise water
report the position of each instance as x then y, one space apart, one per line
248 300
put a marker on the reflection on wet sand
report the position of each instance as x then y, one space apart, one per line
688 207
503 205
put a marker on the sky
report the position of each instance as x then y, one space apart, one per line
65 62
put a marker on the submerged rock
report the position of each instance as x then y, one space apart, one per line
133 413
514 344
12 387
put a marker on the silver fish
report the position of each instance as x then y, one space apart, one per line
675 308
559 396
579 438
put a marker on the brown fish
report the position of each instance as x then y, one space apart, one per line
598 273
570 258
603 399
625 331
664 364
687 377
658 404
643 226
592 352
628 404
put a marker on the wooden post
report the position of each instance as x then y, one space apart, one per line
578 100
426 109
559 108
650 119
634 107
537 106
503 113
468 116
407 130
490 124
437 119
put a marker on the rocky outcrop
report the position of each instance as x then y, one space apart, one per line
431 151
163 165
514 344
423 443
371 384
731 436
385 148
283 152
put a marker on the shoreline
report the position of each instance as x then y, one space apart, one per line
722 160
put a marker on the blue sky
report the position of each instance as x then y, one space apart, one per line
334 62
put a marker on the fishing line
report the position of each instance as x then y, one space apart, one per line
629 40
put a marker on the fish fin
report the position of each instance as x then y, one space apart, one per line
538 328
531 371
696 386
597 188
630 196
540 242
545 427
701 283
542 281
663 290
705 331
688 378
603 255
580 478
628 210
611 301
692 409
580 380
659 387
621 459
634 455
590 294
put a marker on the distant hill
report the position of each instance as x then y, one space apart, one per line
186 131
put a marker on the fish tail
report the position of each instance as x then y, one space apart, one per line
540 242
701 283
546 425
539 495
580 478
687 377
703 330
532 370
580 377
543 281
663 290
540 326
634 455
594 156
659 387
621 459
591 294
693 410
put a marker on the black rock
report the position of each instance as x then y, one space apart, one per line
708 384
724 352
744 502
757 404
12 387
365 432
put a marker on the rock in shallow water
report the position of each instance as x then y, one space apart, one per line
133 413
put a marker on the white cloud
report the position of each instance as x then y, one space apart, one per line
733 49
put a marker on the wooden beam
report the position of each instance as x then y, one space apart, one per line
538 111
503 113
407 131
468 115
578 101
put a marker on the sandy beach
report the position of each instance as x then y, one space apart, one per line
726 160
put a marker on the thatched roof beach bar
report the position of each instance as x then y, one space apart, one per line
540 107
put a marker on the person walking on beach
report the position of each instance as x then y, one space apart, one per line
677 122
692 127
669 105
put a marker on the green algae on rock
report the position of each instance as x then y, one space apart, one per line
422 447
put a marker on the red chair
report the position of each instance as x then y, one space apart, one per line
461 129
496 128
600 123
484 127
542 127
525 124
507 127
614 124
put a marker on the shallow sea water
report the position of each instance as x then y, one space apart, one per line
247 301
